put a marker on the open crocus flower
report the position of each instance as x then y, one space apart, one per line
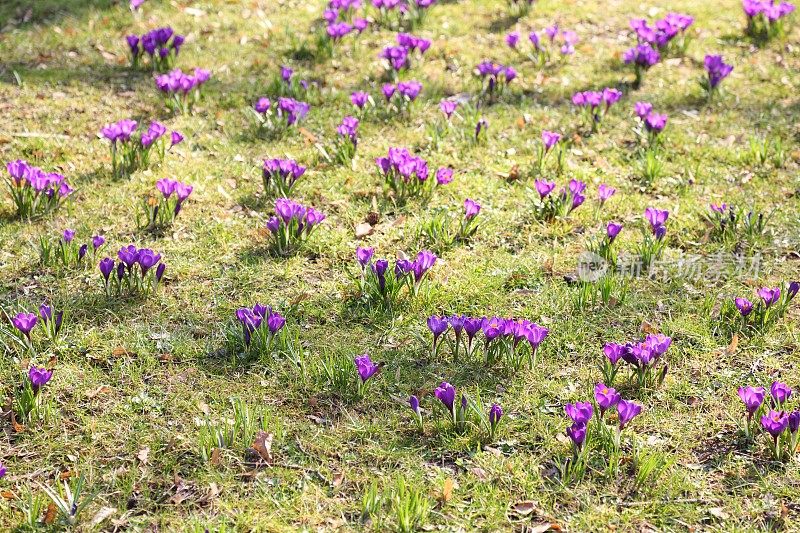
612 230
292 224
717 70
606 397
775 423
579 412
642 57
366 367
359 99
550 139
25 322
471 209
752 397
769 296
446 394
39 377
438 325
448 107
657 219
780 392
604 192
33 191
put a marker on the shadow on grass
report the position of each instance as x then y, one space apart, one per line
24 13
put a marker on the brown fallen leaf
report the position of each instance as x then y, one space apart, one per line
101 516
7 495
263 445
215 458
447 490
524 508
50 514
66 475
544 526
479 473
337 480
731 349
648 328
18 428
143 455
119 351
310 137
102 389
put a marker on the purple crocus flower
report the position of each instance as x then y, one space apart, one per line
444 176
744 306
793 289
577 433
606 397
604 192
366 368
752 397
446 394
794 421
98 241
717 69
24 322
437 325
643 55
472 326
780 392
550 139
388 91
480 126
614 352
774 423
359 99
495 414
655 122
612 230
413 402
471 209
448 107
106 266
769 296
627 411
262 105
68 235
656 217
579 412
642 109
544 188
364 255
147 259
39 377
512 39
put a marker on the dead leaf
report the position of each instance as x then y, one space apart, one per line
215 459
18 428
545 526
263 445
101 515
524 508
310 137
479 473
50 514
102 389
731 349
363 229
648 328
66 475
447 490
7 495
337 480
143 455
119 351
718 512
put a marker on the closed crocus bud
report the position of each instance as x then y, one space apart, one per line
2 471
106 266
46 312
794 287
612 230
769 296
413 402
577 433
98 241
752 397
495 414
275 322
160 272
627 411
176 137
512 39
794 421
579 412
446 394
437 325
39 377
68 235
471 209
82 251
120 270
780 392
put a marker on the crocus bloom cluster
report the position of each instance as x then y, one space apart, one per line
581 413
595 104
769 306
654 123
776 419
132 150
663 31
402 94
550 143
495 77
293 111
161 209
406 175
34 191
360 99
642 57
548 206
381 284
280 176
765 17
653 244
501 337
642 356
346 140
292 224
716 70
399 57
162 45
261 327
138 271
543 44
446 394
68 251
398 12
181 90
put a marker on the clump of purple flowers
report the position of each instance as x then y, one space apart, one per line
292 225
28 397
644 357
595 104
665 32
494 77
642 57
262 332
551 143
67 250
180 90
286 83
777 419
161 209
716 71
653 243
399 57
652 122
401 96
541 49
547 206
137 271
406 175
502 338
380 284
132 150
765 17
344 147
34 191
293 111
736 226
280 176
770 304
401 13
51 322
162 45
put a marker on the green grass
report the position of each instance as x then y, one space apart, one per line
145 374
